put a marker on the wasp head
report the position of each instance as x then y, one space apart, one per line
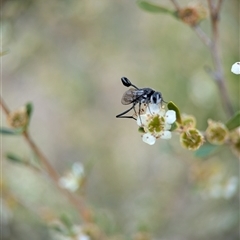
156 98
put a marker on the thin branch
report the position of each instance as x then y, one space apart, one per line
175 3
4 106
219 5
52 173
219 76
202 35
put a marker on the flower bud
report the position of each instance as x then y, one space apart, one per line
216 133
18 118
193 14
188 121
191 139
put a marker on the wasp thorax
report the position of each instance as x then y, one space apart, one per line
156 98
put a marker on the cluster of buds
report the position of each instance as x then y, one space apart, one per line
155 122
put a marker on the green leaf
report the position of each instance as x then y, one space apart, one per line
8 131
29 107
205 150
172 106
173 127
66 221
150 7
233 122
14 158
141 130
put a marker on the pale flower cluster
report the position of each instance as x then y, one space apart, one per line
221 188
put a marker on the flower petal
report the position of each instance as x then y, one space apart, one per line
167 126
69 182
142 120
166 135
170 116
153 109
77 169
148 138
236 68
162 112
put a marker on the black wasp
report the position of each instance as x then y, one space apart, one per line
139 96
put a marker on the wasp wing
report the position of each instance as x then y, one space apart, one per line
132 95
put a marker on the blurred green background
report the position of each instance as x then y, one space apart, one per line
67 58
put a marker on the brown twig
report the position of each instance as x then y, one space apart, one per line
213 45
218 70
202 35
4 106
84 212
176 5
219 5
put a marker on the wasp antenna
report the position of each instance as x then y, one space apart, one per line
126 82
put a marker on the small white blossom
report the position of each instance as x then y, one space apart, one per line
156 123
70 182
72 179
236 68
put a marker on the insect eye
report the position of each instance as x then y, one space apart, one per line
126 82
156 98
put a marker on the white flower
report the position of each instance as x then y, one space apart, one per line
72 179
236 68
156 123
70 182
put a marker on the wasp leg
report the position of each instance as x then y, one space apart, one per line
130 117
121 114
